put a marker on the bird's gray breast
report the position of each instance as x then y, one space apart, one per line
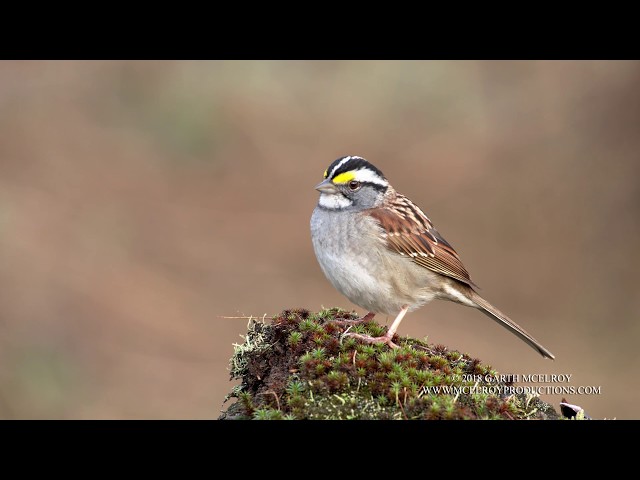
352 254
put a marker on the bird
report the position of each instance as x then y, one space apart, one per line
381 251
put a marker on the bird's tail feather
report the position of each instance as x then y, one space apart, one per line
495 314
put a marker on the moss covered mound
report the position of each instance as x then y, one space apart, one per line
300 366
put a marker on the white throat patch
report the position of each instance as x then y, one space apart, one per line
333 201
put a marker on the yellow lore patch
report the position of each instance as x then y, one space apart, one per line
344 177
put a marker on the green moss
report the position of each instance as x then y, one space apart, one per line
300 366
267 414
295 338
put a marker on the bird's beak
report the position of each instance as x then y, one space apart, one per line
326 186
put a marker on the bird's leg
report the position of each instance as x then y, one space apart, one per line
386 338
367 318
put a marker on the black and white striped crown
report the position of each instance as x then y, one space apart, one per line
346 169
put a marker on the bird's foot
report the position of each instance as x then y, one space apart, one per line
369 339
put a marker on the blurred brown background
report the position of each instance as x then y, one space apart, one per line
141 202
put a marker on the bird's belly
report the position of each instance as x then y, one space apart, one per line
369 275
350 277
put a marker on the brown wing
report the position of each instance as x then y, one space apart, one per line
411 233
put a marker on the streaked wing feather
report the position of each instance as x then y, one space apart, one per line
418 239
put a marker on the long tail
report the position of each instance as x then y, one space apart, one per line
495 314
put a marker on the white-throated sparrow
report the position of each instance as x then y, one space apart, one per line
381 251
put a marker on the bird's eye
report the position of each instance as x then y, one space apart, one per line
353 185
